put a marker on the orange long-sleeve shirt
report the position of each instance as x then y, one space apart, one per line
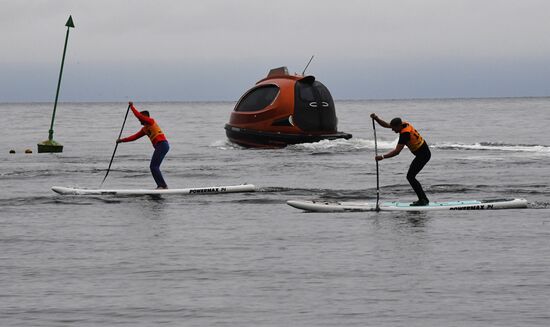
150 128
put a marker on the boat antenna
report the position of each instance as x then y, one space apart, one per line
309 62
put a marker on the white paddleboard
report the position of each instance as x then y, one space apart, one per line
182 191
335 206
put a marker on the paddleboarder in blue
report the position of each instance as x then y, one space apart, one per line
408 136
158 139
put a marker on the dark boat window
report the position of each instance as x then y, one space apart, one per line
258 98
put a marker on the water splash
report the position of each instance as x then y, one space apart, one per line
225 145
495 146
341 145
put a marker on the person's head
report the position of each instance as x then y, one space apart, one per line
396 124
145 113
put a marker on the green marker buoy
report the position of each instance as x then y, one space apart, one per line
50 145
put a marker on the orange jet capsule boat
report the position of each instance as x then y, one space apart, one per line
284 109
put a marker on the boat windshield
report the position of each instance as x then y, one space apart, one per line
258 98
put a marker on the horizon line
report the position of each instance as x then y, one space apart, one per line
225 101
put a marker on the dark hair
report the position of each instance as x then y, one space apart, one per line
396 122
145 113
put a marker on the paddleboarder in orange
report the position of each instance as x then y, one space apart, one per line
158 139
408 136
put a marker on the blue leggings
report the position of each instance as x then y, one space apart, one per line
161 149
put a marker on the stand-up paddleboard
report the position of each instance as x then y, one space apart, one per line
182 191
334 206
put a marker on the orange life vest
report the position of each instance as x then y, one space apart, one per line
415 141
153 131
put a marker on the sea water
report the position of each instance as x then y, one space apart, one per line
249 259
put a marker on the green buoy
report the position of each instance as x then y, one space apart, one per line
50 145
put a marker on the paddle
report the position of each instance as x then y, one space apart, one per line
116 146
377 174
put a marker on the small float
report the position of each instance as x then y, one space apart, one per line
283 109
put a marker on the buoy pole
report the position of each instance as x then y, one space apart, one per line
50 145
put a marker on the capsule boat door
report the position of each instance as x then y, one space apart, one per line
313 107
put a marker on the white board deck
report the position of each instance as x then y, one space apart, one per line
335 206
182 191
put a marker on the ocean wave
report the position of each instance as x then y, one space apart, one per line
495 146
323 146
341 145
225 145
26 201
539 205
358 144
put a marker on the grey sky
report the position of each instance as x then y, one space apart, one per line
215 50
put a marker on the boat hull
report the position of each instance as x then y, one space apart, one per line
255 138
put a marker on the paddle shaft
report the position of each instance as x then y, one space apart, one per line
116 146
377 173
